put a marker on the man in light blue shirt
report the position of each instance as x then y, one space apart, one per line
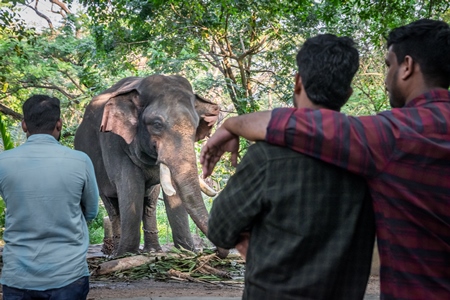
50 191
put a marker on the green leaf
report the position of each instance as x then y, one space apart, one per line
6 137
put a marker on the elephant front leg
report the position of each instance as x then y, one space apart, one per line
150 228
179 222
131 203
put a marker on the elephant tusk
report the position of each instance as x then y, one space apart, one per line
206 188
166 180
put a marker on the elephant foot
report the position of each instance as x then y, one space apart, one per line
222 253
152 249
187 244
151 242
122 250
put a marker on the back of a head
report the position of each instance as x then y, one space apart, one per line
40 113
428 43
327 64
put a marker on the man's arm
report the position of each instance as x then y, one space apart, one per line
363 145
226 138
89 197
251 126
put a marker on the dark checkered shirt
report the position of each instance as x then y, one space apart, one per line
312 226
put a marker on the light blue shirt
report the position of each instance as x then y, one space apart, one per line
50 191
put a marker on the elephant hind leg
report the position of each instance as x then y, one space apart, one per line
150 227
111 243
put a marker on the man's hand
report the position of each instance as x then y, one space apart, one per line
226 139
242 245
220 142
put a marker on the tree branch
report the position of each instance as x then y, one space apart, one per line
214 61
10 112
253 49
50 24
50 87
62 6
73 81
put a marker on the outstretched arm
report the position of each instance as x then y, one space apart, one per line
226 138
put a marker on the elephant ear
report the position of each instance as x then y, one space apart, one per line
120 115
208 113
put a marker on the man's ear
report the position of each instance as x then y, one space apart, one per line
407 67
298 87
350 92
59 125
24 126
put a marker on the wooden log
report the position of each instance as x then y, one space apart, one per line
130 262
123 264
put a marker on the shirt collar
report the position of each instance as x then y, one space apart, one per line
45 138
436 95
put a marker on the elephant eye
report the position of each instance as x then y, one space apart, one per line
156 124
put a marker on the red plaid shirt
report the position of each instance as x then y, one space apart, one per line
404 154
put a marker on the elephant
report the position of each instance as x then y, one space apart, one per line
140 136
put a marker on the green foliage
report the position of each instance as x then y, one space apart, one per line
96 232
251 44
372 20
61 64
369 94
164 230
2 216
5 136
248 43
7 144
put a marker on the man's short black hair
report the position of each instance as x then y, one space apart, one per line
40 113
428 43
327 64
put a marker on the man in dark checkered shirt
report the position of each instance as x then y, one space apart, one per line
311 225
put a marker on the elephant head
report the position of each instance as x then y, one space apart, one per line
168 117
159 119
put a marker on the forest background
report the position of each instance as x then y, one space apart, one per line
238 53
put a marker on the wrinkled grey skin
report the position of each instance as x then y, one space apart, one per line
130 129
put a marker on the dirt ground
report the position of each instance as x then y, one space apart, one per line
101 288
152 288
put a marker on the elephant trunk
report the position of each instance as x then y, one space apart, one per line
186 179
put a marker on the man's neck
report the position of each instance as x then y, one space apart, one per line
303 101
